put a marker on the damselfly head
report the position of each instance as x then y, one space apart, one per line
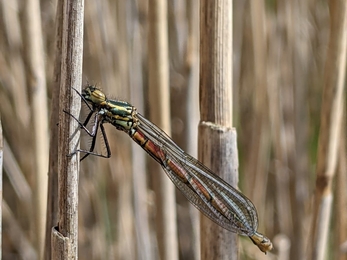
94 95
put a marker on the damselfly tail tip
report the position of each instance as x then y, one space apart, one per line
262 242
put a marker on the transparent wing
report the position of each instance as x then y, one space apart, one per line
209 193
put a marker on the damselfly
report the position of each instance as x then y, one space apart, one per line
219 201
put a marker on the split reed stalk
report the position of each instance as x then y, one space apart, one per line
65 235
217 139
52 202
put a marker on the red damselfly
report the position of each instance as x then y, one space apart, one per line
218 200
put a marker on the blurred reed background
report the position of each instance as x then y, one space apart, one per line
279 57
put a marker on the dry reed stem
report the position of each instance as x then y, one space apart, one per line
37 86
159 96
330 127
68 166
216 49
52 203
218 151
217 139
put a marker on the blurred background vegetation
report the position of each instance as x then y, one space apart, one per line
279 57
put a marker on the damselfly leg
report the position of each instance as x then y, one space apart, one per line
98 122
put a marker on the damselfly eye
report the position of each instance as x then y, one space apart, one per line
86 93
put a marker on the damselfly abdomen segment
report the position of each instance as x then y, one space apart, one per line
218 200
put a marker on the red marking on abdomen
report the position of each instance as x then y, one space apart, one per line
139 138
180 172
150 147
199 187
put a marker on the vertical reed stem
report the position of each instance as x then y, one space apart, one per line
217 138
65 235
37 85
52 203
330 127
